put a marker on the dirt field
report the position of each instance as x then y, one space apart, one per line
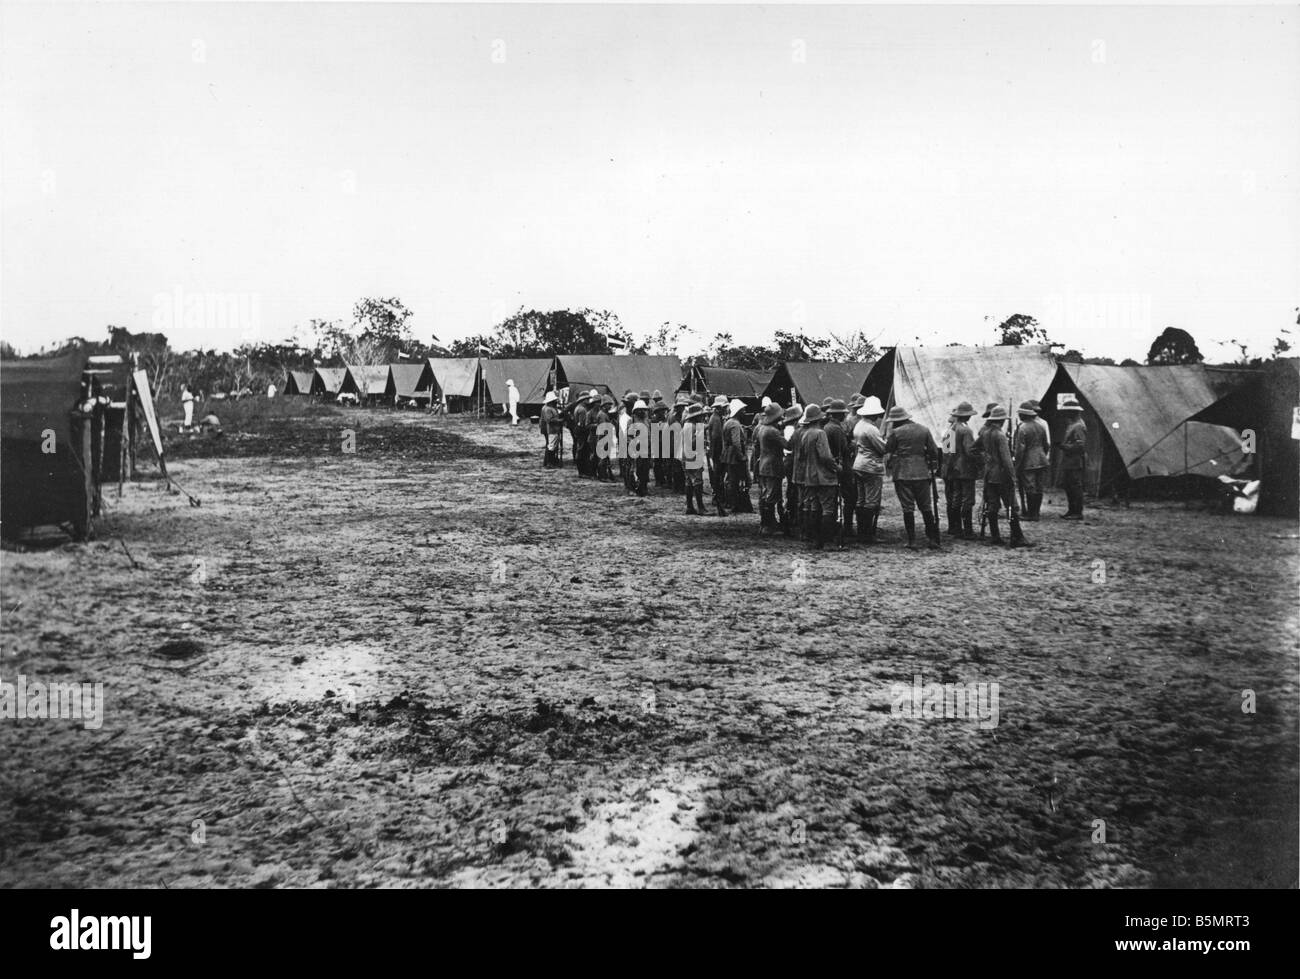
431 663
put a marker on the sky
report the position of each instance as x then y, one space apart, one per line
225 173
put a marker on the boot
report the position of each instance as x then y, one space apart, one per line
873 514
1038 506
698 492
833 530
909 524
848 519
783 519
995 535
1017 538
954 523
931 529
690 505
764 519
864 525
967 524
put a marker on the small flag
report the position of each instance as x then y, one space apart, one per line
483 349
403 355
616 343
434 338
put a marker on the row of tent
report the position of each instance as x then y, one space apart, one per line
1143 422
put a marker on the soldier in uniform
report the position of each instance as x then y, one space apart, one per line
659 417
733 460
771 468
625 464
578 429
790 431
960 470
915 457
713 435
999 479
601 425
1074 456
693 458
639 435
868 466
818 467
838 441
1031 459
551 427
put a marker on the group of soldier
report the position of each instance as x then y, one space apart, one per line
820 469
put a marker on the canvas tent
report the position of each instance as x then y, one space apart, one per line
810 382
408 382
367 382
1266 402
617 374
455 382
529 374
930 381
748 386
50 437
1139 426
326 381
298 382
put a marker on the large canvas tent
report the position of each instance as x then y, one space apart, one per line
1139 423
930 381
748 386
367 382
298 382
530 375
409 382
1266 402
617 374
49 441
454 381
811 382
326 381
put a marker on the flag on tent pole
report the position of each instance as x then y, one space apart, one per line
615 343
434 338
805 348
403 355
483 349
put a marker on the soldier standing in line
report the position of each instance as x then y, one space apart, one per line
694 458
640 444
550 427
659 418
835 411
868 467
625 466
848 482
790 431
961 469
771 468
915 457
1074 456
1031 459
713 434
601 431
999 479
578 430
733 460
820 488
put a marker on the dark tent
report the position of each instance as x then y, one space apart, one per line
810 382
51 437
298 382
367 382
1266 404
456 383
326 381
748 386
409 382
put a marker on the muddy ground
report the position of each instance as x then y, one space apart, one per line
431 663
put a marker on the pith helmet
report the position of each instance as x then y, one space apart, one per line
792 414
640 406
836 407
771 413
1067 402
989 407
550 396
997 414
693 412
1026 410
898 414
964 410
813 413
720 401
871 406
736 406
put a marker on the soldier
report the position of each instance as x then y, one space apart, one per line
771 468
583 412
604 423
848 482
1031 459
840 437
791 432
1074 456
820 488
999 479
713 434
550 426
833 410
868 466
693 458
960 470
915 457
659 418
733 460
625 464
640 443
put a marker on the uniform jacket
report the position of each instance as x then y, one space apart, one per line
1031 446
814 459
771 451
870 449
691 448
835 438
913 450
964 463
550 421
713 435
997 455
733 442
792 446
1074 446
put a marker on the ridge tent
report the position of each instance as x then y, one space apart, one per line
298 382
1266 403
810 382
1139 425
615 375
930 381
409 382
455 383
748 386
112 376
326 381
529 374
367 382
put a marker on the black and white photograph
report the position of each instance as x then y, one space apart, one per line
650 446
